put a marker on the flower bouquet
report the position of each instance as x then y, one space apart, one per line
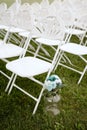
53 84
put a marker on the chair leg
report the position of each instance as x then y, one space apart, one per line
8 85
58 60
82 74
38 100
12 83
38 48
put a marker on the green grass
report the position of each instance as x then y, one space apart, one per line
9 2
16 109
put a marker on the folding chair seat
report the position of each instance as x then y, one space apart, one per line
30 67
9 50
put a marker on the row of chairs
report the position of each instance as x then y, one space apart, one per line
48 30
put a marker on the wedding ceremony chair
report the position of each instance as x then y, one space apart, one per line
30 67
78 50
8 48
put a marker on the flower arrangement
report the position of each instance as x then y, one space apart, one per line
52 84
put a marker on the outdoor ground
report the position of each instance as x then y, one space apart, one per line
16 109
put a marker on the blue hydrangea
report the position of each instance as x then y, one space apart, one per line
53 82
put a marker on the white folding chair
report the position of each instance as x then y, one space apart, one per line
49 35
35 11
29 67
9 50
70 21
76 49
40 24
8 19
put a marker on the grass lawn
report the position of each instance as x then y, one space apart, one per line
9 2
16 109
